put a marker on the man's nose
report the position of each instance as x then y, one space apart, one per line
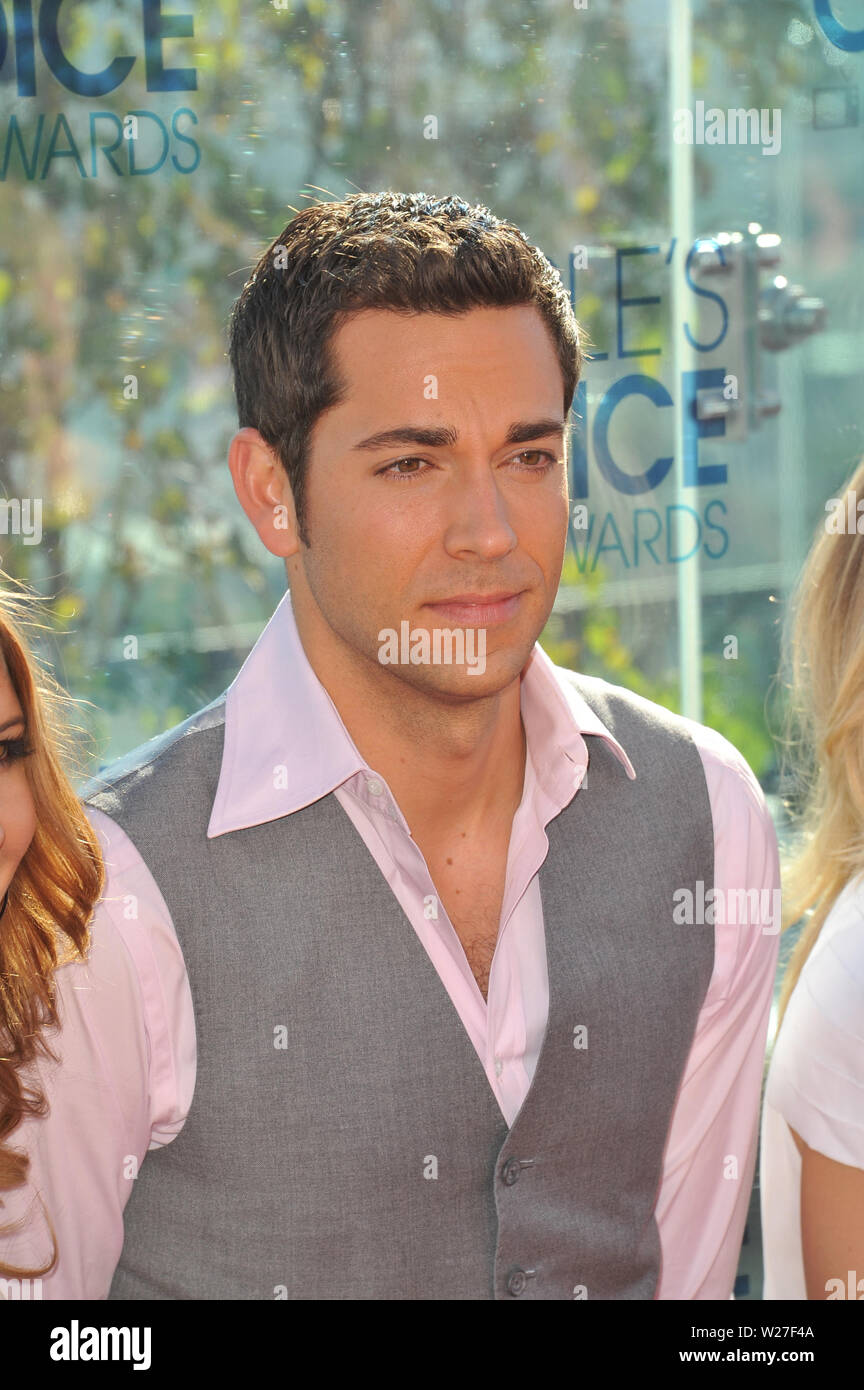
479 520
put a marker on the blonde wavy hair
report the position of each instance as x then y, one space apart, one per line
823 656
51 896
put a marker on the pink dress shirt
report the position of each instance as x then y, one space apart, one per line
127 1045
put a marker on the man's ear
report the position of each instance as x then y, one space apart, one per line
264 491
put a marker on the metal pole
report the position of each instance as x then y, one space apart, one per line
681 219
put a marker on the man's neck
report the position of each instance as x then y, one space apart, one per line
447 763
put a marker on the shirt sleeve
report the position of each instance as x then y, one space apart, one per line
121 1084
816 1079
710 1154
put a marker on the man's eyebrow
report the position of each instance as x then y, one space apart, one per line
438 437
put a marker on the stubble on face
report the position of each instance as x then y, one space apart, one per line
473 518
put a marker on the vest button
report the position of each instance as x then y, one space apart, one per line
516 1281
510 1171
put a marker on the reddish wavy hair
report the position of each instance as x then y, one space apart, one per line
51 896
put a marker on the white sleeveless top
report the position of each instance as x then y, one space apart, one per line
815 1085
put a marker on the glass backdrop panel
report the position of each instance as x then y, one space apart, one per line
693 169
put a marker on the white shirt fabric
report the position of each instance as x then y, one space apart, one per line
815 1085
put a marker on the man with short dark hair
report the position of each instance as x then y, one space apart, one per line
407 1007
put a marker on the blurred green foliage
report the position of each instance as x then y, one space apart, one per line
557 119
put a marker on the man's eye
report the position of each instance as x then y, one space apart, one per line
545 459
391 469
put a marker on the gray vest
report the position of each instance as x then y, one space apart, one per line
343 1141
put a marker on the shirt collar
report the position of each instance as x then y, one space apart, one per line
286 746
559 716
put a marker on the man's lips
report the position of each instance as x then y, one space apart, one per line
482 610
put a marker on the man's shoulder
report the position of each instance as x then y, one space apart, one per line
167 751
614 703
618 706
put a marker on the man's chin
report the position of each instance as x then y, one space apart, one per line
479 679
